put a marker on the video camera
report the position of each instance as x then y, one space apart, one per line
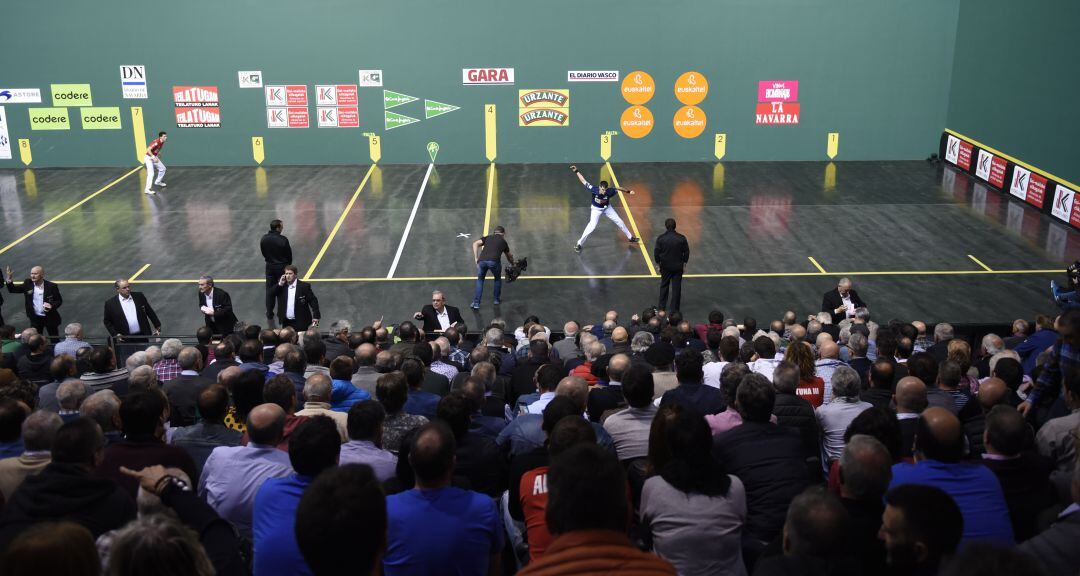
1073 272
516 269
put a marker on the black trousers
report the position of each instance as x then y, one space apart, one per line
272 278
44 323
670 279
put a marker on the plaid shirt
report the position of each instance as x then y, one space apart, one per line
440 367
167 369
460 356
1049 382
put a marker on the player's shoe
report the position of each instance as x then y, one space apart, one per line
149 191
161 184
497 302
474 306
634 239
577 248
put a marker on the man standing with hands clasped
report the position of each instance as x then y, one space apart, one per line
42 299
494 246
601 204
671 253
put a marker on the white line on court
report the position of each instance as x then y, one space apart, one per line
408 227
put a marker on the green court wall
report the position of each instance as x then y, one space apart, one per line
878 72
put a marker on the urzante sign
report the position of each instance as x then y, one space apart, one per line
473 76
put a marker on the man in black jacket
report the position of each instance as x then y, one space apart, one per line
183 391
66 490
216 307
438 316
671 253
130 314
794 412
842 301
277 253
296 303
42 299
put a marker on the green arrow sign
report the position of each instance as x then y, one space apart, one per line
393 120
392 99
433 150
433 109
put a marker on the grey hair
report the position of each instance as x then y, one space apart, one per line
641 341
862 313
824 317
858 344
993 344
71 394
439 292
39 429
485 371
493 336
135 360
153 354
171 348
319 388
594 351
846 383
189 357
207 278
861 477
1003 354
844 280
161 537
72 329
943 331
102 407
340 326
730 331
143 376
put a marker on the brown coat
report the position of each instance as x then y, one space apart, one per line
596 552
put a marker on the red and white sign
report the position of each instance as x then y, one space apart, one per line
1063 203
343 117
296 95
336 95
1028 187
952 149
777 113
287 118
778 90
471 76
198 117
963 159
275 95
195 96
991 168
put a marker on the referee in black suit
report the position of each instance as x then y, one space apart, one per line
671 253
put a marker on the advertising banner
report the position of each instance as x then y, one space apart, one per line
5 141
49 119
133 82
198 117
107 118
195 96
71 95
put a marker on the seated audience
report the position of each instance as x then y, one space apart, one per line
392 393
344 509
38 431
691 393
200 439
835 416
365 445
629 427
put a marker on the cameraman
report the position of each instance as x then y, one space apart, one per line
1070 299
494 246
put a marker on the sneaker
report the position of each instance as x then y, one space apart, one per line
497 302
161 184
577 248
149 192
474 306
634 239
1054 288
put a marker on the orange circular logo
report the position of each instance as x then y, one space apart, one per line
637 122
638 87
689 121
691 88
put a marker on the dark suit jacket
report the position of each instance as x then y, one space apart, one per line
52 296
672 252
431 321
276 251
832 301
183 394
224 320
116 322
305 308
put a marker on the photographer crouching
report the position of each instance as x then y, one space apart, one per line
488 252
1070 298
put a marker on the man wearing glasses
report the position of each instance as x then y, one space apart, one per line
437 316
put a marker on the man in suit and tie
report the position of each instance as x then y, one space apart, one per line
671 253
216 306
842 301
42 299
297 305
437 316
129 315
277 253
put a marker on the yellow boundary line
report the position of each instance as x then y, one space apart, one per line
633 224
816 265
487 208
334 231
69 209
137 274
979 262
1014 160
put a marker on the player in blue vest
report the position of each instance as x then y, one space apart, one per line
601 205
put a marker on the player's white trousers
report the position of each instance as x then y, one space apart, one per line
152 162
594 217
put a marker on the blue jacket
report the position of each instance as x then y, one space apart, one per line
1030 349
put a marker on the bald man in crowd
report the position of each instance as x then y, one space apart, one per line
939 450
42 299
992 392
911 400
827 363
366 373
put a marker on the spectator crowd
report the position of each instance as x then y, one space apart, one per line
820 445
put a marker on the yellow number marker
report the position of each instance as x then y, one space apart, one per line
834 144
24 151
490 147
257 149
720 146
139 132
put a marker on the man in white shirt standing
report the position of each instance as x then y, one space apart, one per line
296 302
42 299
130 314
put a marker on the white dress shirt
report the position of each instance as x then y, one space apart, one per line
849 306
290 302
210 299
39 299
443 317
132 316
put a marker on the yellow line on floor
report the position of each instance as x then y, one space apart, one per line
487 208
633 225
977 261
816 265
137 274
69 209
344 213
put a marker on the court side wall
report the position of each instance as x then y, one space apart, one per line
1015 80
878 72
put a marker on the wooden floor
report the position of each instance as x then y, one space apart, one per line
919 241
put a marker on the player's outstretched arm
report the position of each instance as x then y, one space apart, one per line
580 177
